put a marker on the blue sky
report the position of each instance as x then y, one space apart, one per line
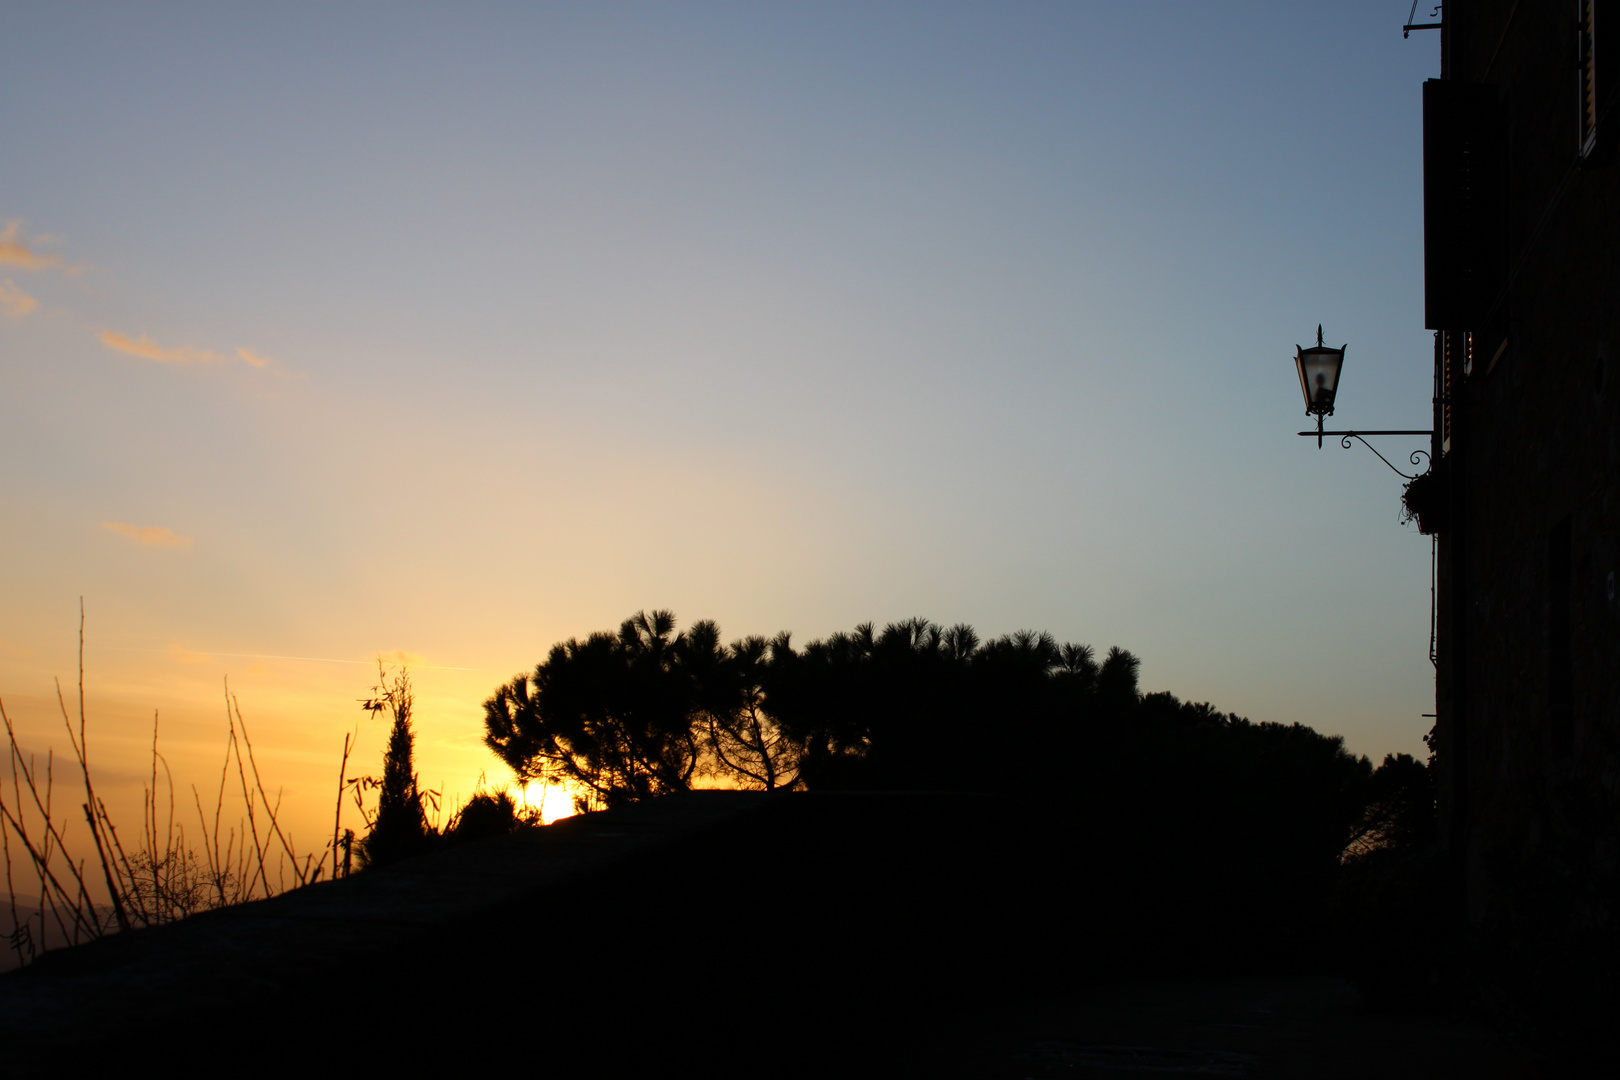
447 331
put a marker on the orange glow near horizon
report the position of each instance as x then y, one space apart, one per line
296 711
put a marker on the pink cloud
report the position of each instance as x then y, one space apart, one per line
15 250
14 302
147 349
148 535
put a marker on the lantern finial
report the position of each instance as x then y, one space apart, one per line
1319 333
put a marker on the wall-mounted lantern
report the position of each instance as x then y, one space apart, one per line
1319 368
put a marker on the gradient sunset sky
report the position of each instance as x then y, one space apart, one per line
443 332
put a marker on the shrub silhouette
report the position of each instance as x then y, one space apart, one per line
1387 897
485 815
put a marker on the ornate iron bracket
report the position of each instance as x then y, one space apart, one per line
1417 457
1437 13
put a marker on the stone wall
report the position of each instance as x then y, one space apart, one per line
1529 646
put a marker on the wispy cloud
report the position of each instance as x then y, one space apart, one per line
14 302
14 250
250 357
148 535
185 656
147 349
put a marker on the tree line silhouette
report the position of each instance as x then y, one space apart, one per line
647 711
1153 830
1152 810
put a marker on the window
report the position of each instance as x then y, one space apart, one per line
1586 64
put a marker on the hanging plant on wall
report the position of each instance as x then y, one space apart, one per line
1426 501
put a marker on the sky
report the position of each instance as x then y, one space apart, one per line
439 333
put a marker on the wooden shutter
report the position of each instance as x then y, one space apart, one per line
1462 203
1586 53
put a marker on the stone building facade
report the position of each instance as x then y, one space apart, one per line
1522 222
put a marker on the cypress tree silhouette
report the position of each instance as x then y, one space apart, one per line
400 828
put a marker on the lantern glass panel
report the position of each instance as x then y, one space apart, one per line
1319 369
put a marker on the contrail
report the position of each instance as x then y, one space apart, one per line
274 656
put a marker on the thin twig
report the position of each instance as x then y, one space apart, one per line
337 818
247 797
118 848
81 748
51 832
150 802
208 852
44 869
41 865
19 932
275 825
219 806
40 868
106 870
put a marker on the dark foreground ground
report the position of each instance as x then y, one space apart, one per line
1278 1026
727 934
